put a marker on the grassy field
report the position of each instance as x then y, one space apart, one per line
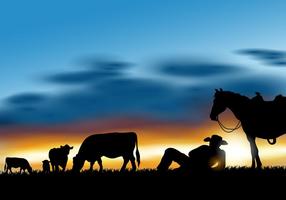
230 172
144 182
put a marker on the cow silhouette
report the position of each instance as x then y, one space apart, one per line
14 162
46 166
59 157
111 145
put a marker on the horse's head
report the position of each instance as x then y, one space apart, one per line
219 104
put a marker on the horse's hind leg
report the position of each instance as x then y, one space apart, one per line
258 161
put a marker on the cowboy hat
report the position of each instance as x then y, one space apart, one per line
216 139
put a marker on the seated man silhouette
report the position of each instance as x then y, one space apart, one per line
203 158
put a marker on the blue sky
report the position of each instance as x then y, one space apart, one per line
160 58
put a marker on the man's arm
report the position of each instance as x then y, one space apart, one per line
221 160
198 150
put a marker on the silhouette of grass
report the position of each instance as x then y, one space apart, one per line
146 182
229 171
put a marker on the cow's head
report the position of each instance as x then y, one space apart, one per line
30 170
78 163
66 149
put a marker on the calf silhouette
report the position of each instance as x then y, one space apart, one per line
13 162
59 157
46 166
111 145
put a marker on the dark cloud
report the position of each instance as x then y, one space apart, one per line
271 57
80 77
197 69
26 98
98 69
105 64
117 95
124 97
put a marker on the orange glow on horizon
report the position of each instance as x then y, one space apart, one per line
153 140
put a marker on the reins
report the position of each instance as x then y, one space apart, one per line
238 125
229 130
273 141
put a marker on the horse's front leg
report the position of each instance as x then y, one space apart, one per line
254 153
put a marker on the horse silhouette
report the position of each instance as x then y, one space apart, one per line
258 118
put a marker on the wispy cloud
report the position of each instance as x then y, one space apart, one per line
26 99
197 69
270 57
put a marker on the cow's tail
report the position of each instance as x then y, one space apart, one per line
5 167
137 152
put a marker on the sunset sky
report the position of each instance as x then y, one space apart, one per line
70 69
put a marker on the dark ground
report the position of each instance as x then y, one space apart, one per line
230 183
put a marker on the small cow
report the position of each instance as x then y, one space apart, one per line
111 145
13 162
46 166
59 157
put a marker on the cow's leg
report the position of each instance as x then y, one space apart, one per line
57 168
64 166
132 159
53 167
254 153
10 169
91 165
125 161
100 164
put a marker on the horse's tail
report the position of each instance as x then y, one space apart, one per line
5 167
273 141
137 151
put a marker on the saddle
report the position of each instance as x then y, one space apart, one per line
280 99
277 106
279 102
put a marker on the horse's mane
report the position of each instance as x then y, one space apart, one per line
236 95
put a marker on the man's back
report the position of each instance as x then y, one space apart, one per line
204 157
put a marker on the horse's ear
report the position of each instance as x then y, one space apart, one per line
220 89
216 90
